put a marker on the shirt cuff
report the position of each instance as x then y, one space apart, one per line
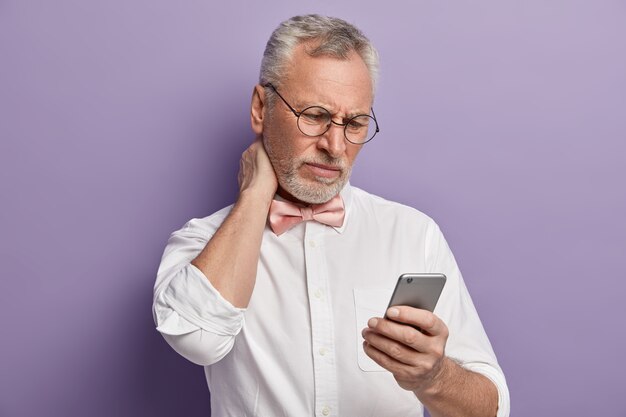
190 302
504 401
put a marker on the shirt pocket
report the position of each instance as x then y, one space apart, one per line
368 303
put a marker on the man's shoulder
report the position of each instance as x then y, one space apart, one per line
377 205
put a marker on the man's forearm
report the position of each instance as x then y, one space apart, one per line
230 258
459 392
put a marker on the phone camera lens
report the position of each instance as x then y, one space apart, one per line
409 280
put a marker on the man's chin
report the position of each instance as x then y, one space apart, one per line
316 191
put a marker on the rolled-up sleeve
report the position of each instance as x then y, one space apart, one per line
188 311
190 302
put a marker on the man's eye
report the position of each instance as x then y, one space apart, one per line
355 125
314 117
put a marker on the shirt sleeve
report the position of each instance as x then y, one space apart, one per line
188 311
467 342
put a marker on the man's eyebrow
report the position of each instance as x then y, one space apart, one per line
301 105
354 114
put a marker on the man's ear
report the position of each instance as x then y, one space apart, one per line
257 109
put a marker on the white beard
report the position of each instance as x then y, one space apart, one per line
287 173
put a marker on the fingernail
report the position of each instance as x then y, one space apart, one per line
393 312
372 322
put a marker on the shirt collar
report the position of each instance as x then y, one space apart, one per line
346 196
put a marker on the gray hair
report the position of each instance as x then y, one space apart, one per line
336 38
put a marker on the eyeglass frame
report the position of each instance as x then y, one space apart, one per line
345 125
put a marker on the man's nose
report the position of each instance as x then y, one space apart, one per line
333 141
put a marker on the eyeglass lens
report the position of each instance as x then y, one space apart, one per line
315 121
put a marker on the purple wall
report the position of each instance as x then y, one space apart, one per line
120 120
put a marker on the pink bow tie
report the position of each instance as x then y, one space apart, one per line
285 215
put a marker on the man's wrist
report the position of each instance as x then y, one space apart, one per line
439 381
262 199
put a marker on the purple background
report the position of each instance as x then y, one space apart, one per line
121 120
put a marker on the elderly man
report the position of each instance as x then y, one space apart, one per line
281 295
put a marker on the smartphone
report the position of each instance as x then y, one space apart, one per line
417 290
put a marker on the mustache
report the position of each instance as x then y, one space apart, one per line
325 160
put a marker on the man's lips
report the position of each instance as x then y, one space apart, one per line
322 170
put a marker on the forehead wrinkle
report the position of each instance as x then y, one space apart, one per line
330 105
316 86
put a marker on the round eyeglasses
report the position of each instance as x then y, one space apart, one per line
316 120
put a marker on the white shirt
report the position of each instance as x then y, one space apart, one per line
296 350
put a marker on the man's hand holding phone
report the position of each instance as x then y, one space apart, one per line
410 340
415 358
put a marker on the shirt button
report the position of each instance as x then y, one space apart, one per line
312 243
325 411
318 293
323 351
